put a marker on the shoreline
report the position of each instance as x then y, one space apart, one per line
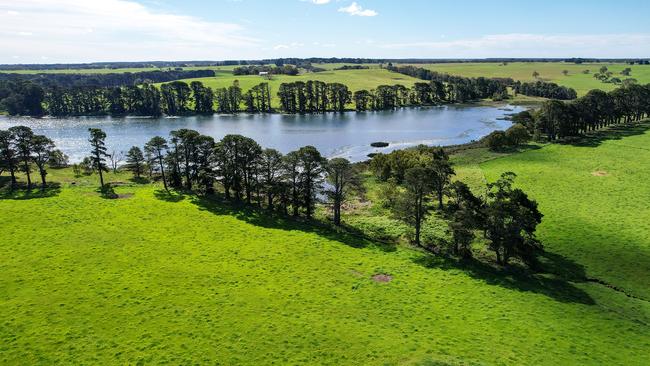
481 103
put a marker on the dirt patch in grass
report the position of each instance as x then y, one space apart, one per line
381 277
600 173
124 196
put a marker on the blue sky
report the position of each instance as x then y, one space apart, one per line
38 31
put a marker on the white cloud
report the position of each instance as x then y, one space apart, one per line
292 45
531 45
358 10
320 2
106 30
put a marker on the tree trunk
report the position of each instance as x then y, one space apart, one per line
43 174
13 177
337 212
29 178
418 220
162 172
269 199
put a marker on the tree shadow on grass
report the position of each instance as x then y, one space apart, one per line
514 278
20 192
169 196
273 220
140 180
618 132
557 287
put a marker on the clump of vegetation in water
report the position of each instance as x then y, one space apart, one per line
379 144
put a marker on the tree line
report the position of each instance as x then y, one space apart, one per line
289 183
457 88
597 109
274 70
68 80
179 98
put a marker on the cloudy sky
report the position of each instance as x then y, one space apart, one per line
49 31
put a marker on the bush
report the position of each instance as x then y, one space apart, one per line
517 135
497 140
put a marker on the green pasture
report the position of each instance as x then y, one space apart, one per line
548 71
154 278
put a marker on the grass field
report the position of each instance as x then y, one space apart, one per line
157 279
549 71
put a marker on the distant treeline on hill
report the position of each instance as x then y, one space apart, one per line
297 61
545 90
463 89
106 80
481 87
275 70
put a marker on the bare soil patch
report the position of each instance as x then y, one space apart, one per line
600 173
381 277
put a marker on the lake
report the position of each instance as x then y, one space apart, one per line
335 134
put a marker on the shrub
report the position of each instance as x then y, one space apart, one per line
517 135
497 140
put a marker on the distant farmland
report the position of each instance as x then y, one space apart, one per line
548 71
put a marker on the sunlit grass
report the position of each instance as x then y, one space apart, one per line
176 279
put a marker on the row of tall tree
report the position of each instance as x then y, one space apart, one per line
21 151
595 110
313 97
178 98
290 183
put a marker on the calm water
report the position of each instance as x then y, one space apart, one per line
336 135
